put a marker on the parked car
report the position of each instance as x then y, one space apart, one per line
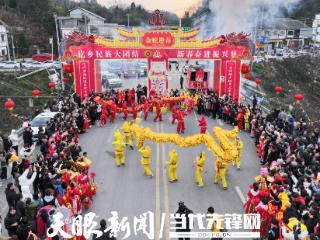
9 65
110 80
33 65
130 73
113 67
42 120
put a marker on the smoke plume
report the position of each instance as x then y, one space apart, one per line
243 15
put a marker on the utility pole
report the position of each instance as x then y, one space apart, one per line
51 42
8 48
12 43
57 30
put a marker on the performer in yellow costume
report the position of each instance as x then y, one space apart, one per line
246 120
146 160
200 161
119 148
117 135
220 168
239 145
128 138
173 164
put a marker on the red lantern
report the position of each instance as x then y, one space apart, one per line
36 93
245 68
9 105
68 68
278 89
298 97
247 76
64 79
51 84
258 81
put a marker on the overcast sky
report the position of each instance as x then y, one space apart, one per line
176 6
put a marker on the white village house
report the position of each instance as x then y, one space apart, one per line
82 20
4 43
316 29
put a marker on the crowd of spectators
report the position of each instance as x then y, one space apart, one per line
287 191
57 180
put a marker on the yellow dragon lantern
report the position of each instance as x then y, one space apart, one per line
226 150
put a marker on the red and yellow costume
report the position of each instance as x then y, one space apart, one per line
203 125
200 161
146 159
220 168
180 126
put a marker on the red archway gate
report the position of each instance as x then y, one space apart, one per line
158 46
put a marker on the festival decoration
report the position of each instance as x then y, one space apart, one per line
68 68
36 93
278 89
65 79
258 81
226 150
245 68
247 76
9 104
298 97
51 85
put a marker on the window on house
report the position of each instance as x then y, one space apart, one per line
290 33
2 37
3 52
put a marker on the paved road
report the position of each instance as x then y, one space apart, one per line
130 193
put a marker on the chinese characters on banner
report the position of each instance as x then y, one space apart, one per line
157 39
158 73
230 78
83 75
237 226
99 52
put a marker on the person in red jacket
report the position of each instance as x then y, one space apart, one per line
113 114
180 117
174 112
125 110
203 125
134 110
158 112
103 116
145 107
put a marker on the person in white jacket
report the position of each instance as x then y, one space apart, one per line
25 183
14 138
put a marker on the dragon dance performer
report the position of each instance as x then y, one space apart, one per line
158 112
103 117
200 161
239 145
125 110
220 168
146 159
119 148
128 137
173 164
174 112
180 117
146 109
203 125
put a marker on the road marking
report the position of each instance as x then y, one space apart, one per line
165 189
240 194
157 232
220 122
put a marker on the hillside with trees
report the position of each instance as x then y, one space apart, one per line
32 21
294 75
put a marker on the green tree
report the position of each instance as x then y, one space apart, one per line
22 45
186 20
12 3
